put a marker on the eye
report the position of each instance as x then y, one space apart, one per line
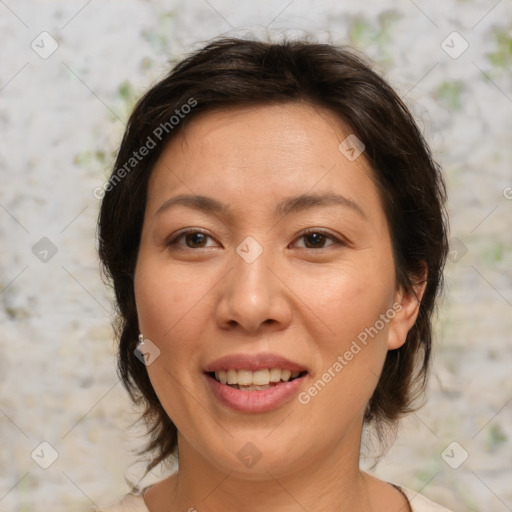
193 240
315 239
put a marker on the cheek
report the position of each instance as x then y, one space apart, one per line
164 297
349 300
351 304
168 311
171 304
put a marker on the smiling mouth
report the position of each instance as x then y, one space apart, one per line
259 380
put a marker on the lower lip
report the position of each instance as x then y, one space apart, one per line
255 401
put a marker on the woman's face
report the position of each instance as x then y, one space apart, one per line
263 240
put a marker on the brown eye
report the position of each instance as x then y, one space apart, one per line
318 240
315 240
191 240
194 240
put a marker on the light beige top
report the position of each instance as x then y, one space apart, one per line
134 502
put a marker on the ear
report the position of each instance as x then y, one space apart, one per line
407 306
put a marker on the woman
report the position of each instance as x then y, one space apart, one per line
275 231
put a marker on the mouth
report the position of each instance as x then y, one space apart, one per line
254 383
259 380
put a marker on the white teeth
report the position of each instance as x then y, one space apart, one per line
260 377
261 388
232 377
275 375
254 380
254 388
244 378
285 375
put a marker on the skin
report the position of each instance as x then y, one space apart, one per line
304 301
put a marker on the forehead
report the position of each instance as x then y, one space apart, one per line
287 132
261 153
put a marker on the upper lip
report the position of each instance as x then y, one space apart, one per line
253 362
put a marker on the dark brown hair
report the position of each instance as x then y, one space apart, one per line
230 73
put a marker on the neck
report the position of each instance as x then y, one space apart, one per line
328 481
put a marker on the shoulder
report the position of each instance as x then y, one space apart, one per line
131 502
421 504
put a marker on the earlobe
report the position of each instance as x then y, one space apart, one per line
408 305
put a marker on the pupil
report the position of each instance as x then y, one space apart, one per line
195 239
316 238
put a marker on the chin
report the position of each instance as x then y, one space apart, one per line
254 460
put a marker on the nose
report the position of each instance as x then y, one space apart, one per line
254 297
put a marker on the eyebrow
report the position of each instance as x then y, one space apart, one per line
285 207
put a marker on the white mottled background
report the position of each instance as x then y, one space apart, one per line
61 121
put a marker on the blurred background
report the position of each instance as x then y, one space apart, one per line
70 74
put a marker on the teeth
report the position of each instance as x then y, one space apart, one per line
244 378
254 388
259 378
275 375
285 375
232 377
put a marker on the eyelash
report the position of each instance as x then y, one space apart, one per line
329 236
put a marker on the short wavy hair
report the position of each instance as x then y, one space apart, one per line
232 73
